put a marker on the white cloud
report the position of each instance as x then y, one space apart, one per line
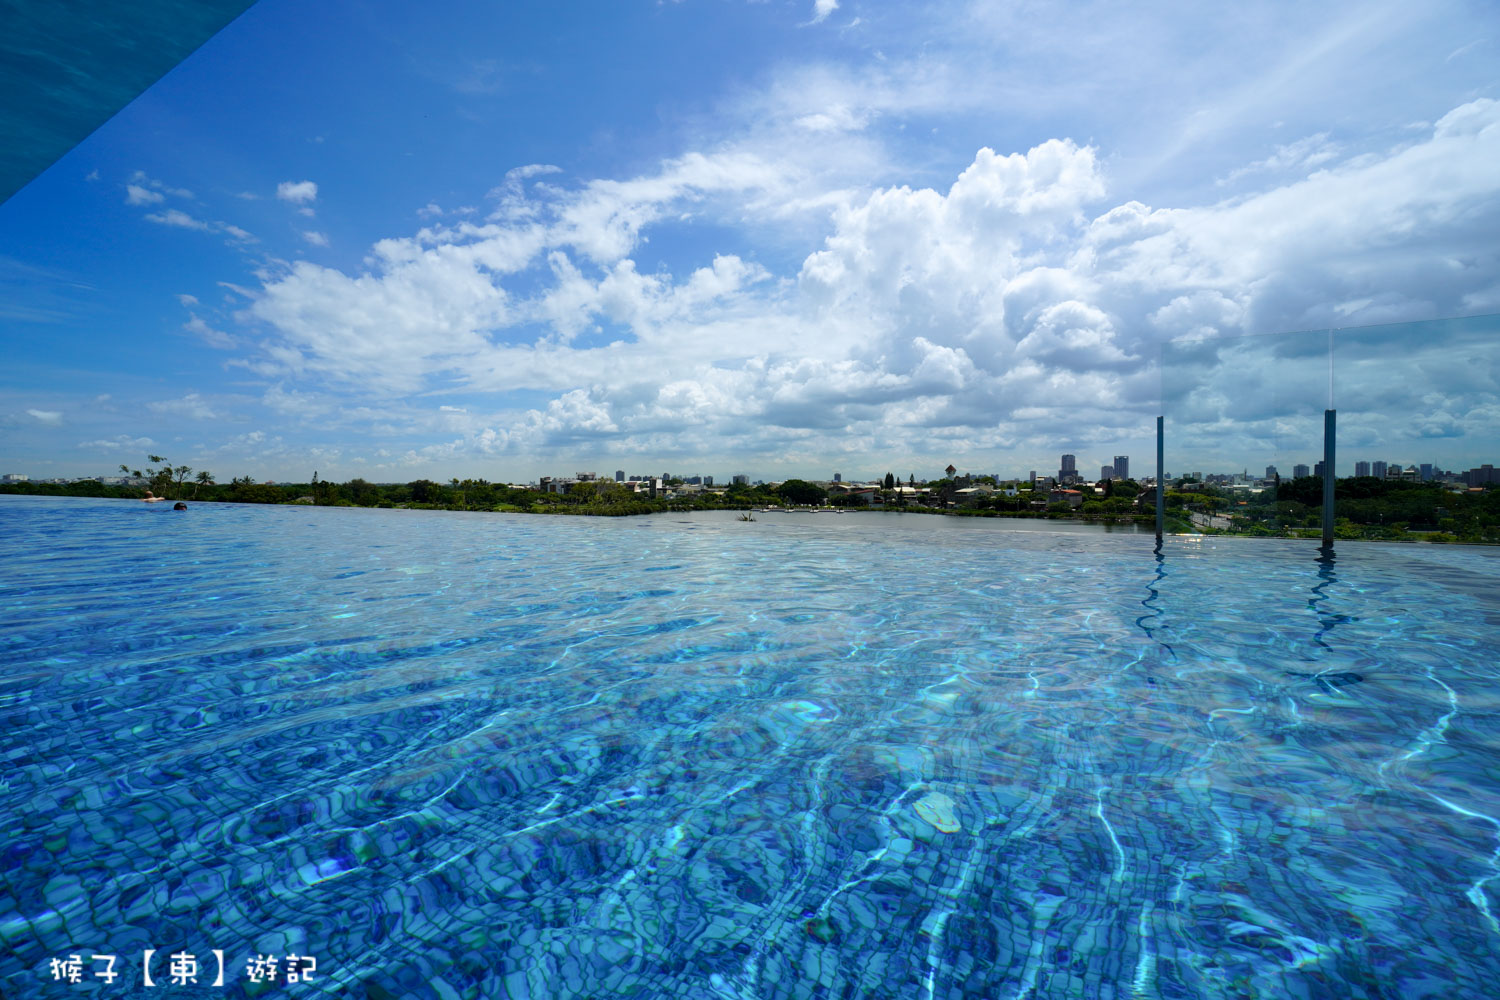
120 442
175 217
193 406
209 335
187 300
822 8
149 190
46 416
182 220
1016 308
315 238
1302 155
137 195
297 192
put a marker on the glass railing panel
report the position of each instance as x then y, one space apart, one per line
1244 432
1419 428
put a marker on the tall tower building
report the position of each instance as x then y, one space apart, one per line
838 477
1069 468
619 475
1122 466
1377 469
1107 472
1361 468
1300 471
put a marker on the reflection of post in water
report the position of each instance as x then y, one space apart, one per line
1327 577
1145 622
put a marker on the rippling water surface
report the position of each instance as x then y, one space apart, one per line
479 755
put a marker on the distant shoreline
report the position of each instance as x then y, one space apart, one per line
1176 526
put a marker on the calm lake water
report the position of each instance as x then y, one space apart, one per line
475 755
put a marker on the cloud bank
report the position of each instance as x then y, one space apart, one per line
1016 309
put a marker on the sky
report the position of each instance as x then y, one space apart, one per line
402 241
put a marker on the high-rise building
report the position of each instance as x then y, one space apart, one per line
1318 470
619 475
1361 468
1377 469
740 479
1300 471
1107 472
1426 471
1122 466
708 480
1271 472
1393 470
1032 477
1069 468
838 477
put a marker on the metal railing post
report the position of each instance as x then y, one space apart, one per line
1330 427
1161 480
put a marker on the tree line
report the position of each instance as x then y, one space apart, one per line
1367 507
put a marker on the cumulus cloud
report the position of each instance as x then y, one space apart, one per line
1016 306
297 192
822 8
46 416
315 238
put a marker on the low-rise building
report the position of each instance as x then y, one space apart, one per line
1072 498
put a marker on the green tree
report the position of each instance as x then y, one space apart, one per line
205 478
362 492
801 491
890 481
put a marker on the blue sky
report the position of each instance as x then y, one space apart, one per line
391 240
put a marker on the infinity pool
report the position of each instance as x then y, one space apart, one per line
365 753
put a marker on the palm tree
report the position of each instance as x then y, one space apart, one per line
205 478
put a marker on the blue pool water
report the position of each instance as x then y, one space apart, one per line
477 755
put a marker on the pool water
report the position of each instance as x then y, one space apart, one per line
869 755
